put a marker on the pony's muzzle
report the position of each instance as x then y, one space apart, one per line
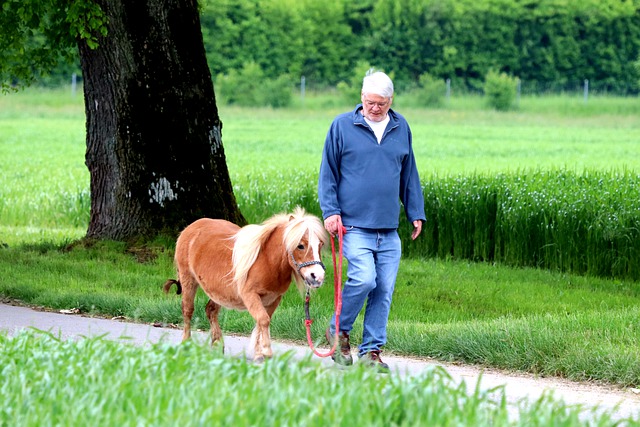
313 275
311 271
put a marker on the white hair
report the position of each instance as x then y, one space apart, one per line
377 83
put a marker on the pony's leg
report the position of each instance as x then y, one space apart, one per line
253 343
267 333
189 288
254 306
212 309
262 316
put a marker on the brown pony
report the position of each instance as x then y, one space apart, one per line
247 268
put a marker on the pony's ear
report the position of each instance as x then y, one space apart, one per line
291 217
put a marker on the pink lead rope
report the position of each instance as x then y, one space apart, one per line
337 295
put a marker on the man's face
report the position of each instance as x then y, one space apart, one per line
375 107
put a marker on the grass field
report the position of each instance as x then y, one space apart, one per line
42 149
546 322
446 142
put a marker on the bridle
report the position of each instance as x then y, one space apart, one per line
302 265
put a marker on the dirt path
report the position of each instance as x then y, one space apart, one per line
621 403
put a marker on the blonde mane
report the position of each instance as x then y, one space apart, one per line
250 239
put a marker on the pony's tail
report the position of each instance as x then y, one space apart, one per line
170 282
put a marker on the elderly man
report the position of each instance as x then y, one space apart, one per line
368 167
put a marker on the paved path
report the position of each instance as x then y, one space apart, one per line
623 403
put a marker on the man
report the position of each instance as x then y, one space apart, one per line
368 167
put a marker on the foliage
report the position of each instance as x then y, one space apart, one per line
539 40
300 38
37 35
500 90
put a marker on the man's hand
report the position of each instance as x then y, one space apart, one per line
417 228
332 224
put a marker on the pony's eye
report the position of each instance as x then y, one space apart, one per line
301 247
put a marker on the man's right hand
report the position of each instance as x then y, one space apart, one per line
332 224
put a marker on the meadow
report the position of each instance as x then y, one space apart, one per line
545 321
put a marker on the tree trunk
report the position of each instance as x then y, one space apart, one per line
154 142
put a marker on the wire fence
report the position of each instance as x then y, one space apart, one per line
456 87
584 87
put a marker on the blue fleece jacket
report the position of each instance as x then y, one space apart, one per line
364 181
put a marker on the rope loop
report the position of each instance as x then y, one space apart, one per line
337 295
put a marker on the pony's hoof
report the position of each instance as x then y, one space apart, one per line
258 360
218 346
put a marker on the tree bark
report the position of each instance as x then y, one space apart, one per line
154 140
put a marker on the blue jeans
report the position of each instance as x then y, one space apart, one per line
373 259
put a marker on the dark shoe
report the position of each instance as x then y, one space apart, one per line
373 360
342 355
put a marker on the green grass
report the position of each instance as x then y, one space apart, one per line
445 141
518 319
43 180
546 322
46 381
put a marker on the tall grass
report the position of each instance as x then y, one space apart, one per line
585 223
96 382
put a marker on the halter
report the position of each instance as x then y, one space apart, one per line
305 264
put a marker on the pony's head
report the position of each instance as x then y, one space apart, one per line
304 237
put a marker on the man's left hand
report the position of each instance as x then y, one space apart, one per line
417 228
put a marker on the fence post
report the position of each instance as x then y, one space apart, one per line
518 91
448 93
586 90
302 87
74 84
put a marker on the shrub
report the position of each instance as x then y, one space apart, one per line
250 88
500 90
430 91
276 93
